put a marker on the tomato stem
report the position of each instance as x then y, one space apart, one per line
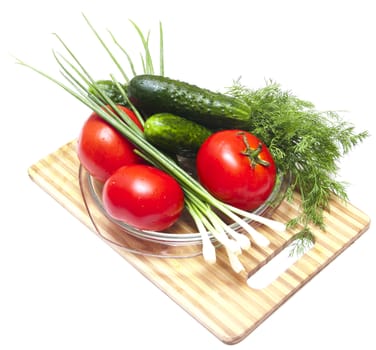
253 154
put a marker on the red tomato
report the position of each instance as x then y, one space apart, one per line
101 149
144 197
237 168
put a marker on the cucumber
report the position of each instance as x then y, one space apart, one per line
174 134
110 89
153 94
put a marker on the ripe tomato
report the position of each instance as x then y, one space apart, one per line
237 168
143 196
101 149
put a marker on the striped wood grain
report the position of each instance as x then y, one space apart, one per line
215 296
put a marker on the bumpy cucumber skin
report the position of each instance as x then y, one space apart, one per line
155 94
174 134
110 89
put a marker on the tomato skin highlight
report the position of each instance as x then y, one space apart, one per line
227 173
144 197
101 149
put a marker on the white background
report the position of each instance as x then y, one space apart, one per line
60 286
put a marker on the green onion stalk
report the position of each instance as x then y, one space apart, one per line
202 206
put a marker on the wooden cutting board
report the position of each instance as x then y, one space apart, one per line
214 295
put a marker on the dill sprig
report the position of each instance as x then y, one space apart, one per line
305 143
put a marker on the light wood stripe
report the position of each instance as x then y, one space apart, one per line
301 273
215 296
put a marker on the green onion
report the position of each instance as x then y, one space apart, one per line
199 202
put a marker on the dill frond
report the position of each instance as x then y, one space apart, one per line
305 143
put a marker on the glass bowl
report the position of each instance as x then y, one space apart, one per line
182 240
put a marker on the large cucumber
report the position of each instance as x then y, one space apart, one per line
174 134
156 94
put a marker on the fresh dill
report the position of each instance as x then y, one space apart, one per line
305 143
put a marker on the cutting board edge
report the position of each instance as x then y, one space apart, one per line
222 336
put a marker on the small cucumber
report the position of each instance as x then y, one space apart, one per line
174 134
156 94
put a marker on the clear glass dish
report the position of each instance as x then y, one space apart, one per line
180 241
